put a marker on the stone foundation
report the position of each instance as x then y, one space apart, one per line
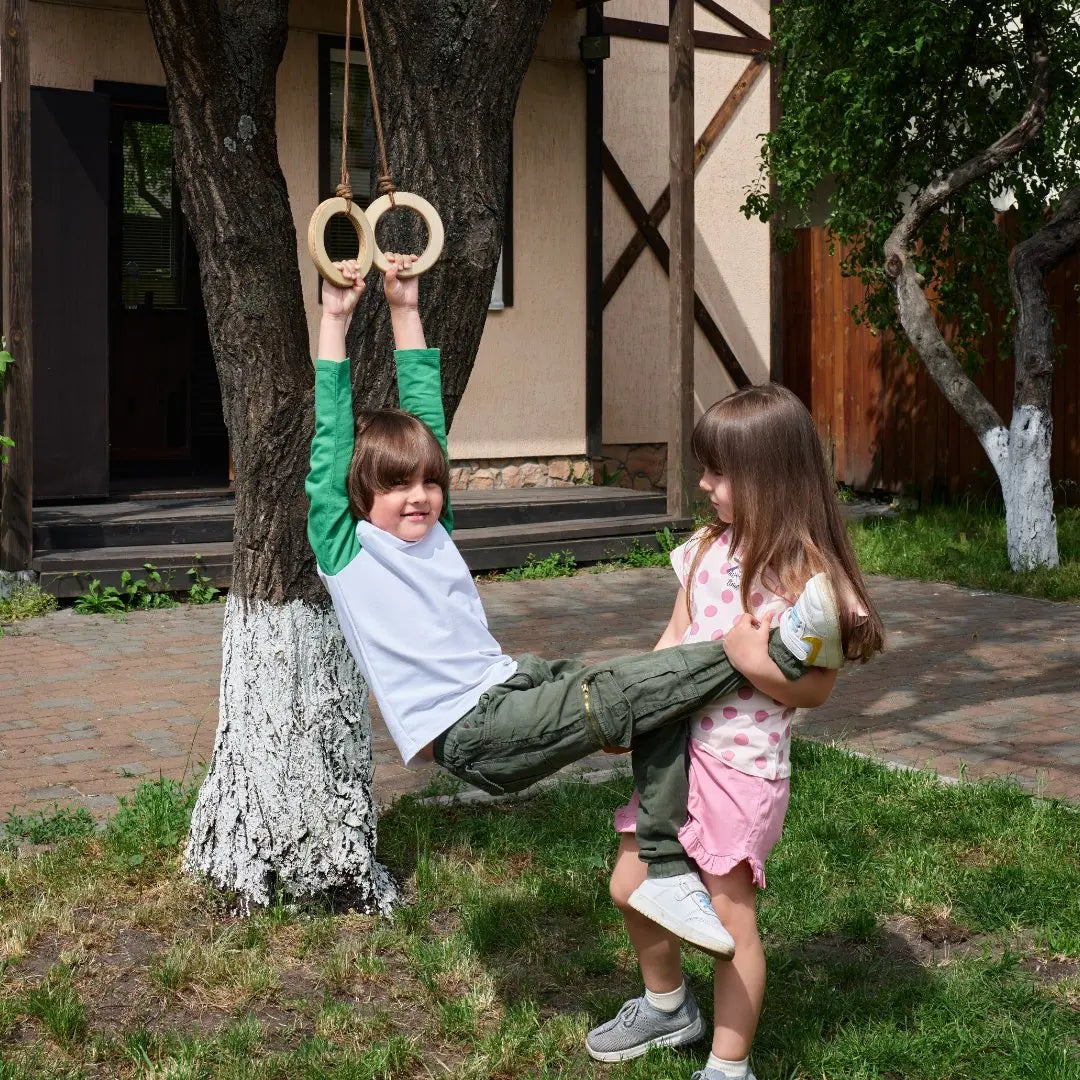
486 473
641 466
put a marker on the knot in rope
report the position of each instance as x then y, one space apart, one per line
344 191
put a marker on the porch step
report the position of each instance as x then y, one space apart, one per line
157 522
67 573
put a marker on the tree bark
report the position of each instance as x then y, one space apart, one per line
286 803
1019 453
448 76
1031 528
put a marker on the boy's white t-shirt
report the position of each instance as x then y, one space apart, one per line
415 624
747 730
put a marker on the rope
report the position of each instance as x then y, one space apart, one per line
386 184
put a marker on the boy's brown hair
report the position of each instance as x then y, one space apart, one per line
390 446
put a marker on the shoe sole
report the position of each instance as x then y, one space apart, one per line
659 916
690 1033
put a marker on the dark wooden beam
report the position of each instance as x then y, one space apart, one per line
16 521
680 467
713 130
734 21
594 240
640 216
703 39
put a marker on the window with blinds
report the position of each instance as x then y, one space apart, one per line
340 235
151 242
361 160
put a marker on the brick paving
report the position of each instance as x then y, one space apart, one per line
975 684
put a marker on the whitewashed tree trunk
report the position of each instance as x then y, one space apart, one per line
286 804
1030 523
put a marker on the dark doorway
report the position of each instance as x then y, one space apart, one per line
166 428
69 163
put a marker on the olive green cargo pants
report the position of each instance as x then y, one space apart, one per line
552 713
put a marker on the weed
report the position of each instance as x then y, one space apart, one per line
41 827
55 1004
134 594
27 601
644 555
150 822
202 590
557 564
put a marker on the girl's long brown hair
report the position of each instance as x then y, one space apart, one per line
787 520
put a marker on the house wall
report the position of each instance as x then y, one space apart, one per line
732 259
526 395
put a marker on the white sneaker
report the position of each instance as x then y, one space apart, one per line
811 629
681 904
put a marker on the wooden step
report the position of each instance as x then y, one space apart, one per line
200 520
68 573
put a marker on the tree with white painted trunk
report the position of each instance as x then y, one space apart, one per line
924 121
286 806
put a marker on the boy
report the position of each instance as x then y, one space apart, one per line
380 523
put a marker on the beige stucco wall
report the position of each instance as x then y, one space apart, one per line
526 396
731 253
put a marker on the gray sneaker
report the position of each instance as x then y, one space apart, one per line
639 1026
713 1075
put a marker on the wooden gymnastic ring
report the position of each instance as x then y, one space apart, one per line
316 238
428 215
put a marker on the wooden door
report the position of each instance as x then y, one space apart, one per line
70 177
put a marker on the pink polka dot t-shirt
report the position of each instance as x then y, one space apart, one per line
747 730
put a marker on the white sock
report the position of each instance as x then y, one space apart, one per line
668 1002
729 1070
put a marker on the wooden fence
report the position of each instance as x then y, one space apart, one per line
888 426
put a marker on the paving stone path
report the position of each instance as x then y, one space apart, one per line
978 684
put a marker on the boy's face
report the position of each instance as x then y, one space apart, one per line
409 510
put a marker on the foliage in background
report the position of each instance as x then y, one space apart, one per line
881 99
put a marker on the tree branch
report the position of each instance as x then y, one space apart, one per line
916 316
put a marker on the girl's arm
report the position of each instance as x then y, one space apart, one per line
677 626
419 376
747 647
330 526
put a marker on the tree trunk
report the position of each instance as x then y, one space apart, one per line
1030 525
1020 454
448 76
286 804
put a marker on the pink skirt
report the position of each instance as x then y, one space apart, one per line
732 817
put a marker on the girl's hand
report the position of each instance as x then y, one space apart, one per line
340 303
747 646
400 293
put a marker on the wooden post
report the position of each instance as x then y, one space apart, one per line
680 467
594 239
16 523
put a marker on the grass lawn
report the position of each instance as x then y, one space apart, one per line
915 931
966 547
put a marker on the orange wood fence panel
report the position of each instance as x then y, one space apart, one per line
886 424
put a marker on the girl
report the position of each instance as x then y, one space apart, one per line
777 524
